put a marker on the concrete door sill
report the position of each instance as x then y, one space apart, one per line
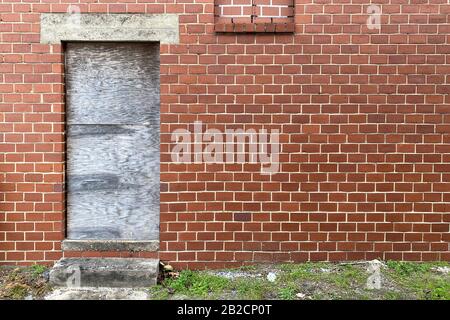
110 245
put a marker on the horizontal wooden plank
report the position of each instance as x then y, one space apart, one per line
147 137
131 214
128 152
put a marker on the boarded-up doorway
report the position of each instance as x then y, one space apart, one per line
112 125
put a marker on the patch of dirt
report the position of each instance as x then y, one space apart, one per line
27 283
259 271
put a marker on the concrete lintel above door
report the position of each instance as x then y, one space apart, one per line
57 27
110 245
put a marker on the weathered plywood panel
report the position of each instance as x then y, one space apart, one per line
112 83
112 144
113 214
112 182
114 148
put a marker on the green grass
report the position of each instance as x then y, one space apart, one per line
401 280
348 276
436 289
407 268
392 295
17 291
38 269
196 284
287 293
420 279
251 289
158 292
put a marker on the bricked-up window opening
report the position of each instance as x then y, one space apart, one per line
254 15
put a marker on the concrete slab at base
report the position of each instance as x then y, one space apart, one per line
110 245
97 294
105 272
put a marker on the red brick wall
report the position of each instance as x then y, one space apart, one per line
364 116
254 10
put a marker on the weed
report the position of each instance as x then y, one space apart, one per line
248 268
434 289
349 276
392 295
38 269
419 279
252 289
158 292
196 283
407 268
287 293
16 291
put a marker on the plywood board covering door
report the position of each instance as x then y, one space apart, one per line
113 145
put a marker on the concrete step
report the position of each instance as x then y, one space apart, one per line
104 272
98 293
